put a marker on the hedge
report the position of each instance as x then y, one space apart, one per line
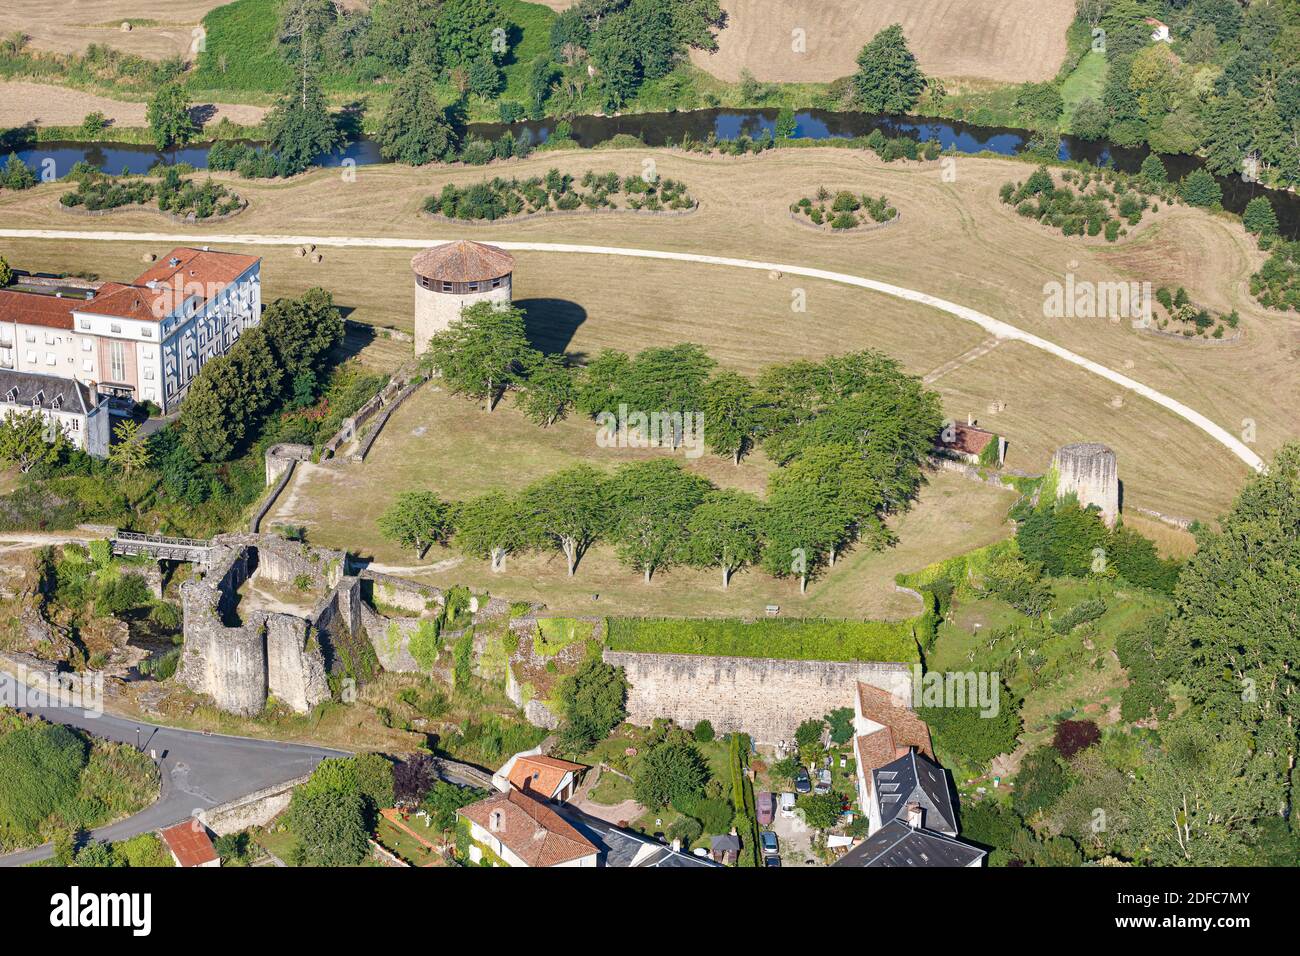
961 570
787 639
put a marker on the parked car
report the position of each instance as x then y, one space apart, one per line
771 861
771 846
766 807
802 782
787 804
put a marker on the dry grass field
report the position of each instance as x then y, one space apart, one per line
955 240
1008 41
158 30
453 447
44 104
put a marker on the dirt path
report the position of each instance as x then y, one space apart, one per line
44 104
995 327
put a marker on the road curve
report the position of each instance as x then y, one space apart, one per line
996 327
198 770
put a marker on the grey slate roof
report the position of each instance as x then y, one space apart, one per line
619 848
897 844
72 395
915 778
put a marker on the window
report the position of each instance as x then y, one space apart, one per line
49 358
30 335
87 345
148 374
49 338
116 362
30 358
115 328
87 365
147 332
74 423
11 395
85 323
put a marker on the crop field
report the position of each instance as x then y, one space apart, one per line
158 30
955 240
1009 41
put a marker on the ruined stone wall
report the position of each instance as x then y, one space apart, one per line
1089 471
765 698
387 590
391 639
295 666
227 663
255 809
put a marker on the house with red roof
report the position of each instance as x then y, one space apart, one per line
142 341
548 778
190 845
514 828
971 444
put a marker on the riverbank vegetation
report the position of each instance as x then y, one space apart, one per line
169 192
508 198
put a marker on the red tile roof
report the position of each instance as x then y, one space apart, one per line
198 265
540 774
189 843
905 728
30 308
463 261
533 831
968 440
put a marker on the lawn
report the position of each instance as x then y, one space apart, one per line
612 789
398 841
1086 83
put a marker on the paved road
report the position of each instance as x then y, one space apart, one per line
996 327
198 770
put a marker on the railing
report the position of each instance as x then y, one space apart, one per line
192 550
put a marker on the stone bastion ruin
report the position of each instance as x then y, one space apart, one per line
275 618
1089 471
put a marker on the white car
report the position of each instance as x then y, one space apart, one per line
787 804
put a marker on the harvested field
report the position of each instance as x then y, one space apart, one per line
1008 41
955 240
43 104
158 30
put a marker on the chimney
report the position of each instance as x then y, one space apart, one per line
914 815
495 821
970 419
677 845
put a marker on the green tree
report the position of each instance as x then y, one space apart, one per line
731 417
489 527
130 452
482 353
821 811
6 273
465 31
303 332
549 390
1041 780
726 531
169 118
17 174
804 524
652 502
1258 218
670 773
416 520
888 79
330 826
842 475
300 127
1089 119
28 439
566 510
1153 171
593 701
1199 188
415 128
971 736
703 732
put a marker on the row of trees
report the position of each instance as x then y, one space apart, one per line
281 358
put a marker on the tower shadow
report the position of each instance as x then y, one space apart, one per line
551 323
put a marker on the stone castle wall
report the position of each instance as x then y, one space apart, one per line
1090 472
765 698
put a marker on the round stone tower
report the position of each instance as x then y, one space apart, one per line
1089 471
452 276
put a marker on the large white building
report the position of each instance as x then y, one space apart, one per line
138 342
62 403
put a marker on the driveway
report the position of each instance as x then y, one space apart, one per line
198 770
796 839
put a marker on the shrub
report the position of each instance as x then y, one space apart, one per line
704 732
1073 736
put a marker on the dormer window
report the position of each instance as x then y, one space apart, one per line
11 396
57 403
39 399
115 329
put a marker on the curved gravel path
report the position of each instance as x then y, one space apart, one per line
996 327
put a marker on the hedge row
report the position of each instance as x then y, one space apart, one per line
788 639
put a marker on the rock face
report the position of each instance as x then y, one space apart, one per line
1089 471
763 697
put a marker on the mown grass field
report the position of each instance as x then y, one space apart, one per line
955 240
1086 82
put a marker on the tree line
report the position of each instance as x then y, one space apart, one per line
851 435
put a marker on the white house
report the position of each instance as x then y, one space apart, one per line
64 403
521 830
138 342
1159 30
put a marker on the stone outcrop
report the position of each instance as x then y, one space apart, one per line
763 697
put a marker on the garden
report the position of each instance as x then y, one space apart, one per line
558 192
843 210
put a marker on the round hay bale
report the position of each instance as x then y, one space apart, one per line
300 252
149 257
126 26
316 257
311 247
774 274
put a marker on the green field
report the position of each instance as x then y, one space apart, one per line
241 52
1086 83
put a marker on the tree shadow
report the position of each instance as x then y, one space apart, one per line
202 114
551 323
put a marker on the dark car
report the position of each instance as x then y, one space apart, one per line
802 782
772 861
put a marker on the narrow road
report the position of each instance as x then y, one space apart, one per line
995 327
198 770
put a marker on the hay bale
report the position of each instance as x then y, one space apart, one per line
148 257
300 252
316 257
126 26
